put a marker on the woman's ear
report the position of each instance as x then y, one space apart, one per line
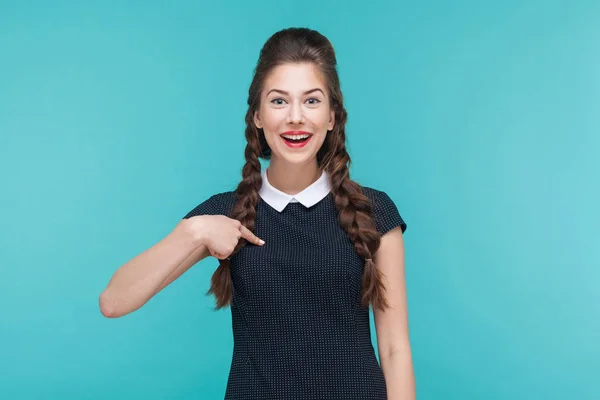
257 120
331 120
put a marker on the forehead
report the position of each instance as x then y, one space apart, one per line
295 78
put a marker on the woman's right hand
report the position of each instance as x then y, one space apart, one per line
220 234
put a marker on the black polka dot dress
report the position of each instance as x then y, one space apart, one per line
299 329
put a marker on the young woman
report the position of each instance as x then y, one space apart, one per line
303 250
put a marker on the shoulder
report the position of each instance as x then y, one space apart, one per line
373 193
217 204
225 199
378 197
385 211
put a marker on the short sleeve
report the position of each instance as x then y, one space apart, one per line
385 212
209 206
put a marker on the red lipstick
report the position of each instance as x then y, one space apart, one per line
296 139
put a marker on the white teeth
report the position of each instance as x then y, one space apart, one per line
297 137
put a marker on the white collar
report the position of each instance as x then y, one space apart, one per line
307 197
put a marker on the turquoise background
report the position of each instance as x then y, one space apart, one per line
480 119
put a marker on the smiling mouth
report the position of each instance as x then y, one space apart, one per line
296 139
299 139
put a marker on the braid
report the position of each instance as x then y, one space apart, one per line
355 213
244 211
355 217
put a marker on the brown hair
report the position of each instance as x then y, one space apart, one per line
302 45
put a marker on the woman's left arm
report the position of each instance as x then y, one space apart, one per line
392 324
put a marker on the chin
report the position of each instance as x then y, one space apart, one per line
294 159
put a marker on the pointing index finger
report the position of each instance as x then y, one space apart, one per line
248 235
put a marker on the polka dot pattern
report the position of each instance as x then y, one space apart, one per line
299 329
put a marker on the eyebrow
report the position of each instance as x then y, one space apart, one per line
286 93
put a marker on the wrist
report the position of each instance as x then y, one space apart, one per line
197 231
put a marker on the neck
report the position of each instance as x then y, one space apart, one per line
292 179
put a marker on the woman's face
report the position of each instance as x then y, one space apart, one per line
295 104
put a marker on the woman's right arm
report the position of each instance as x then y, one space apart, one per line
138 280
193 239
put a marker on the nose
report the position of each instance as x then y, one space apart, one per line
295 115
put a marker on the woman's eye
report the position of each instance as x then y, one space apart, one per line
279 101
